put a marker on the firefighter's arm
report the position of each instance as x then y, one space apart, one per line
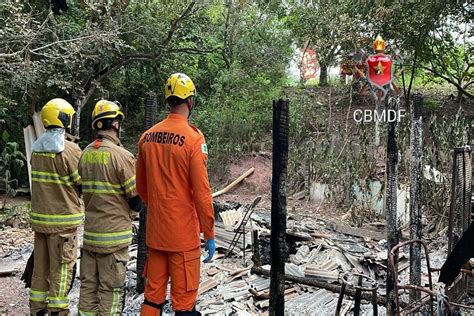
201 189
141 175
72 163
128 183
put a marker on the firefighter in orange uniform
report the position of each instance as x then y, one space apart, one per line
172 180
56 210
108 181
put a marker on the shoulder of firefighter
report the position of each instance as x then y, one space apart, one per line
55 200
108 182
172 175
197 130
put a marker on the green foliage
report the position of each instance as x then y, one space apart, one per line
326 154
440 136
11 164
237 53
327 28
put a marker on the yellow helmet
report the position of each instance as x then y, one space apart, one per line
179 85
57 113
105 110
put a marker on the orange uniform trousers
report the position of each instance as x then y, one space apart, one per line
184 270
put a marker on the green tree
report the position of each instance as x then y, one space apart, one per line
328 28
425 32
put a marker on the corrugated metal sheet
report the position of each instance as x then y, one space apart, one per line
292 269
224 238
321 302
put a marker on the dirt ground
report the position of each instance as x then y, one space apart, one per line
16 244
13 296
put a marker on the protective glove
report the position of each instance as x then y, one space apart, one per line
211 248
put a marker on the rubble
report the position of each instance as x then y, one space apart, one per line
318 256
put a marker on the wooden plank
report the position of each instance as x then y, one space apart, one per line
238 275
8 268
212 271
358 232
30 137
234 183
207 285
6 271
38 124
240 270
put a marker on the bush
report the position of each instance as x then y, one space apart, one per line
11 166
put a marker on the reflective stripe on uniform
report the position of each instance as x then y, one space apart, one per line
61 302
84 313
101 187
38 296
129 185
75 177
52 177
63 280
115 301
46 219
107 239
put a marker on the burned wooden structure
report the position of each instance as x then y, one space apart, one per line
429 296
460 213
416 176
391 199
150 119
278 211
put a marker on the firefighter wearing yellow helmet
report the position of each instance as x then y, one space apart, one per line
56 210
180 88
110 198
173 182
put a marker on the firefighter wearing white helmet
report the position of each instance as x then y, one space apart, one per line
56 210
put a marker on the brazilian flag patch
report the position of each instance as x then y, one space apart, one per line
204 148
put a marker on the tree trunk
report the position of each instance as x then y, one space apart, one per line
459 96
323 76
76 123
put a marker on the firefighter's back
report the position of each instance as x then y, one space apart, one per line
55 201
108 177
167 149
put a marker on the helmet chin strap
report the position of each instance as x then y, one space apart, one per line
118 127
190 107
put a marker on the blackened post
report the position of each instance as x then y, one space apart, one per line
150 119
256 249
416 143
340 299
391 201
357 297
278 225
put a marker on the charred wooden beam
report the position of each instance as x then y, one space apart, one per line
150 118
391 200
321 284
278 211
416 176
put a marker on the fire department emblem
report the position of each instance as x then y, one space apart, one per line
379 70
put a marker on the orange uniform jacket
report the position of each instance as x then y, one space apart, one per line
172 180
